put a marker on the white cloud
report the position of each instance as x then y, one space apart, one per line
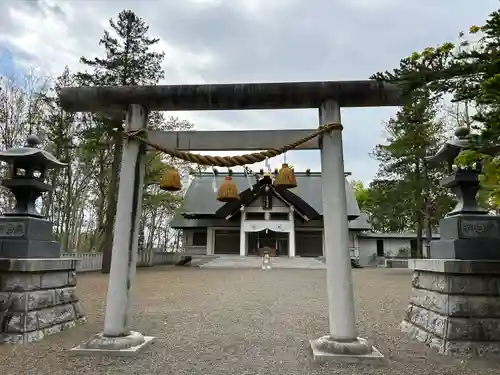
183 66
261 8
46 38
221 41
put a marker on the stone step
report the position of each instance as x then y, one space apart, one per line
199 260
256 262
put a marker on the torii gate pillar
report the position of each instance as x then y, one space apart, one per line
117 338
342 342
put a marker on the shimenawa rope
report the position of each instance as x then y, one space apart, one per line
232 161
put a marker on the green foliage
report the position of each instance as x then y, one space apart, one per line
406 195
362 195
386 203
128 59
469 70
82 203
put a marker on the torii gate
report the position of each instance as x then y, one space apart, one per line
341 342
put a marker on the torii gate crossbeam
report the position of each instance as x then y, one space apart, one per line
341 343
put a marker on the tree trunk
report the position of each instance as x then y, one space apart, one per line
419 208
428 214
68 207
142 229
112 202
95 237
164 243
150 243
48 210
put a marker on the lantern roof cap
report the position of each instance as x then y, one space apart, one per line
31 154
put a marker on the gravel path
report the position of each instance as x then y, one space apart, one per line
224 321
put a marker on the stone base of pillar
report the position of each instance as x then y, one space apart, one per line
327 349
113 346
455 306
37 298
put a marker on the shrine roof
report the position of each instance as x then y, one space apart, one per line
200 199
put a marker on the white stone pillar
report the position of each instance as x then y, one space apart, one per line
210 241
117 335
336 229
243 243
342 339
243 235
323 240
291 235
128 214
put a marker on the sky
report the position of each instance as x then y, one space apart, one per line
237 41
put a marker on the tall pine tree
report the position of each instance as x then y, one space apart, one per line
128 60
412 134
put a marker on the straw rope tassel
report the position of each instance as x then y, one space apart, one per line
285 178
228 191
171 180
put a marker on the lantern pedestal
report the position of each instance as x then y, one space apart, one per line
39 298
454 306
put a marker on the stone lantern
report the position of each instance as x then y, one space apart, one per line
453 306
29 165
38 286
467 232
24 233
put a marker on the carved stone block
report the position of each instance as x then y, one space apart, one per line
40 298
454 307
27 237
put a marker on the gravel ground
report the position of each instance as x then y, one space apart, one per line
228 321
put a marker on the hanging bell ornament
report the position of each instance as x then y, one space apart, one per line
171 180
228 191
286 178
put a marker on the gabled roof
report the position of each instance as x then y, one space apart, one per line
200 198
258 189
360 223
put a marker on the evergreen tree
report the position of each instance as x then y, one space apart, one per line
128 60
470 71
412 133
